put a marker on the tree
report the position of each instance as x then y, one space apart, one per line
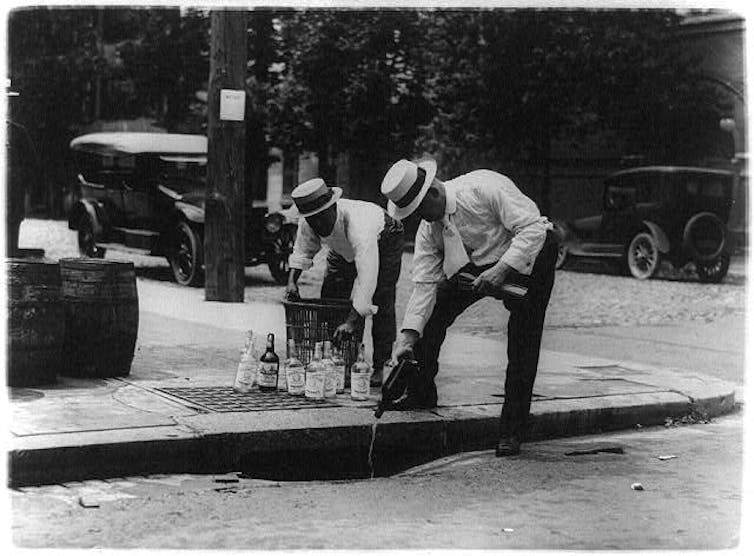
506 84
348 84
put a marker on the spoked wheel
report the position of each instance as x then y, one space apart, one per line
277 259
713 272
87 245
643 257
187 256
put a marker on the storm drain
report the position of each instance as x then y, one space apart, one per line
223 399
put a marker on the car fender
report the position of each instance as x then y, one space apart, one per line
192 213
94 211
661 238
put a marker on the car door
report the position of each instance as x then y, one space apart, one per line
104 182
140 195
620 211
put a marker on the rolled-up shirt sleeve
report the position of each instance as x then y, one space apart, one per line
307 245
427 273
367 261
519 214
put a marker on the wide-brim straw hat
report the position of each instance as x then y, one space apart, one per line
405 184
314 196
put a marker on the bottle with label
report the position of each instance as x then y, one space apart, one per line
314 387
269 367
331 382
245 374
282 385
340 369
361 374
295 373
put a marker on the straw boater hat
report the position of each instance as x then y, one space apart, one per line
314 196
406 184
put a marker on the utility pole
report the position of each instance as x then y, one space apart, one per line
224 211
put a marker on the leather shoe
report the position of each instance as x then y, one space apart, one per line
414 401
508 446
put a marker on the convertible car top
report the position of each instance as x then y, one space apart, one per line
129 142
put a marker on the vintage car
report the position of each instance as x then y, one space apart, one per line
656 213
145 193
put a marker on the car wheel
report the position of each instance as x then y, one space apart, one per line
187 255
704 237
87 245
714 272
277 259
643 257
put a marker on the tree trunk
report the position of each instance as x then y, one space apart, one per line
224 213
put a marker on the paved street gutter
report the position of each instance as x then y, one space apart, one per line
307 439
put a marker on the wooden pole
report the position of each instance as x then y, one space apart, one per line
224 213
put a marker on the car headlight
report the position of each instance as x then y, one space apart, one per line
273 223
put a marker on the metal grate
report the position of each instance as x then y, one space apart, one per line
224 399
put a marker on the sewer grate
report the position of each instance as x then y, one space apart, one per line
224 399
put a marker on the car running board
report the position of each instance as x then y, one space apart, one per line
610 251
124 249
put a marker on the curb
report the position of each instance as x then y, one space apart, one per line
330 452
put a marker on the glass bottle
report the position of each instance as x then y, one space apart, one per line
331 381
361 373
246 368
295 373
269 367
314 387
340 369
282 384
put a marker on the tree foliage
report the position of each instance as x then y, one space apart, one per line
471 87
348 82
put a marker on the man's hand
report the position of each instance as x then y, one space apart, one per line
404 348
344 332
491 280
291 292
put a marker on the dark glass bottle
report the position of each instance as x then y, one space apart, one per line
395 388
269 367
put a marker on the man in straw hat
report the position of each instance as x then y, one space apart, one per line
364 260
478 231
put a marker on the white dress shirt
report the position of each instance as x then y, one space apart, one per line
496 222
354 237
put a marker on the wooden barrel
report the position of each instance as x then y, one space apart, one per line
101 309
35 322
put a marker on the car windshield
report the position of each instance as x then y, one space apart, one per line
181 174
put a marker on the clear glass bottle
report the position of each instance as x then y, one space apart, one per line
361 373
315 377
331 381
295 373
269 367
245 374
340 369
282 384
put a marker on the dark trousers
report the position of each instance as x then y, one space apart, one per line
340 275
524 337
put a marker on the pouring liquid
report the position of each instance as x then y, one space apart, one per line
370 460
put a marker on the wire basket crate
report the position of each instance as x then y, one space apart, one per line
308 321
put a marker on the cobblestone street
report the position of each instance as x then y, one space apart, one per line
580 299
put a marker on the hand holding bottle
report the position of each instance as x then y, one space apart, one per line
404 347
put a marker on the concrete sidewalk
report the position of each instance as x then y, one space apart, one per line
84 428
